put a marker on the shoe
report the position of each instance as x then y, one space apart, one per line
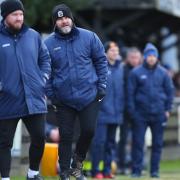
82 177
135 175
37 177
78 174
109 176
76 168
64 176
87 173
98 176
155 175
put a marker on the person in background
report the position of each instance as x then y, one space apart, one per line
76 87
176 80
51 126
133 58
169 70
52 133
150 97
24 70
110 116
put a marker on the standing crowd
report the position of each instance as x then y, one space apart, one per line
85 81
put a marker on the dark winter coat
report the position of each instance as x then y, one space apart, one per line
150 91
79 67
24 68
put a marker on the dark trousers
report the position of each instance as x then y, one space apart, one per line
156 124
35 125
102 147
125 131
66 117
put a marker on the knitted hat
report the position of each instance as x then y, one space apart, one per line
150 49
9 6
61 10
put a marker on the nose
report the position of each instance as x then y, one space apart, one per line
19 17
64 19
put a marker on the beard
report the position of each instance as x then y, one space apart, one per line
65 30
15 28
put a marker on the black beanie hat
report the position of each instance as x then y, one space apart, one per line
61 10
9 6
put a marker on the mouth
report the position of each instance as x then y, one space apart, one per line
65 26
18 22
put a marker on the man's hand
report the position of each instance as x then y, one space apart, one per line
100 95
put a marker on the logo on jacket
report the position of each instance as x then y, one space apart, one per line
6 45
57 48
143 76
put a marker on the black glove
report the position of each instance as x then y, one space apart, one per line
100 95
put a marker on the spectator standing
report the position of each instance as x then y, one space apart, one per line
76 87
133 58
24 69
150 96
110 116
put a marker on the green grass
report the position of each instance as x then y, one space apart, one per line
163 177
170 170
170 166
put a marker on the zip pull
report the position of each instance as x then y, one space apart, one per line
15 37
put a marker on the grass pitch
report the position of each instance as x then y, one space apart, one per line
170 170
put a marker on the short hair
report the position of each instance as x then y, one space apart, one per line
131 50
110 44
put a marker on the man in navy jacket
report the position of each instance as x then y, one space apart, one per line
24 69
77 84
150 96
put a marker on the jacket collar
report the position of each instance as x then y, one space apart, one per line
72 35
5 30
116 64
145 64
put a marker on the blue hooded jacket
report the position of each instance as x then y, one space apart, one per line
79 67
112 108
150 90
24 68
